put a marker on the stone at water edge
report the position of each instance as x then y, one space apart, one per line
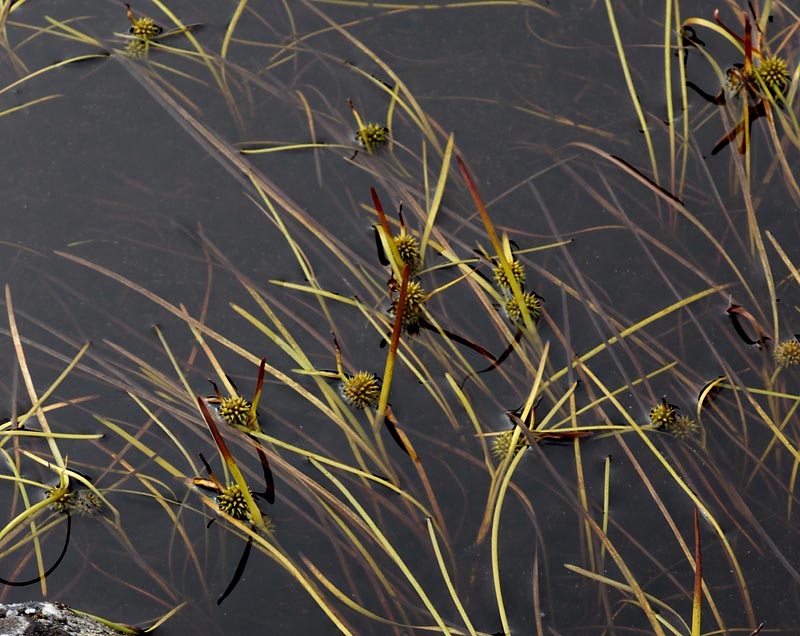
48 619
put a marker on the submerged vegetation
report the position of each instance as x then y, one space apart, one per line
496 450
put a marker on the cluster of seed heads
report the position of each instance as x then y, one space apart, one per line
143 30
530 299
235 410
502 444
665 416
787 353
361 390
83 502
372 136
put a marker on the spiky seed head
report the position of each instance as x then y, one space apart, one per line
787 353
415 297
231 501
64 499
663 416
372 136
682 427
517 271
775 73
408 248
502 444
531 302
362 389
145 28
88 503
137 49
235 410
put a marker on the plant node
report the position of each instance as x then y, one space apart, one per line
787 353
362 389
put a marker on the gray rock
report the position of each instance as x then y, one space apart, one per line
48 619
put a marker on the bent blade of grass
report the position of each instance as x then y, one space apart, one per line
448 581
385 545
237 14
648 484
29 514
38 404
737 570
637 105
218 76
697 599
33 102
364 551
26 375
437 195
280 148
181 376
141 447
793 270
345 599
276 554
673 201
204 329
168 432
409 103
623 587
73 34
624 333
362 474
321 293
473 418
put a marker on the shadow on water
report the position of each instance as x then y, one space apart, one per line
578 327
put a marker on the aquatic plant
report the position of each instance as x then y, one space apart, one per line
404 500
787 353
361 389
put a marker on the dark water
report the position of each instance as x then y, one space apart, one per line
122 170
